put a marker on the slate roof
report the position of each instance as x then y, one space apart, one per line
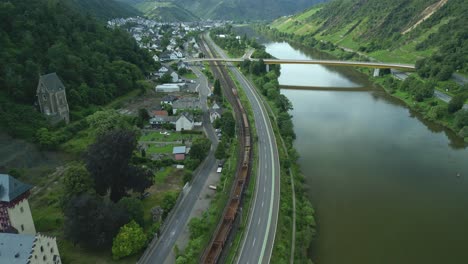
15 248
169 98
186 103
11 188
52 82
187 115
179 150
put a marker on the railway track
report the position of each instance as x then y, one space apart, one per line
231 211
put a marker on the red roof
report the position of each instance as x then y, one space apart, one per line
160 113
179 156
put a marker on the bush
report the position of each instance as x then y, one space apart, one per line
461 118
130 240
456 103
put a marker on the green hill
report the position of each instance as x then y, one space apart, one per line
245 9
96 64
399 30
104 9
165 11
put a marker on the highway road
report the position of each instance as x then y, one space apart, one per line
159 251
259 238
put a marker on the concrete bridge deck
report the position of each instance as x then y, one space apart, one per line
375 65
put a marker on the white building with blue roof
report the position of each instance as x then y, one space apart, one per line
15 213
28 249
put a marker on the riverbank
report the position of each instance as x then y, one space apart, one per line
410 91
296 223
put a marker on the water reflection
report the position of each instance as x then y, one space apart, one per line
387 185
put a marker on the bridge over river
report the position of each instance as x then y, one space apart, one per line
365 64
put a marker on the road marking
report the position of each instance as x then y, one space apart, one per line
264 189
259 221
263 203
253 243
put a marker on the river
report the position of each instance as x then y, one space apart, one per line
387 186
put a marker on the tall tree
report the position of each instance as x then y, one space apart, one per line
76 181
108 163
217 88
92 222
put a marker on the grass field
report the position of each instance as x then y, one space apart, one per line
173 136
190 75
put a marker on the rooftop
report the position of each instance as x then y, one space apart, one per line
15 248
11 188
179 150
52 82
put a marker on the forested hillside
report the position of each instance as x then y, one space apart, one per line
165 11
245 9
104 9
400 30
95 63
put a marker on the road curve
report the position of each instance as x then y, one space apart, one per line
259 238
159 250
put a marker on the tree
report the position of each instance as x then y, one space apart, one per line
107 120
108 160
456 103
134 208
228 125
76 181
92 222
143 117
200 148
130 240
217 88
46 140
168 202
166 78
221 151
143 114
461 118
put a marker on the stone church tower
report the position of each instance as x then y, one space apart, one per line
52 98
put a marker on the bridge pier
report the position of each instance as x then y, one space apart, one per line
267 67
376 72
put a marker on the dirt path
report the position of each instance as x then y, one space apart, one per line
427 13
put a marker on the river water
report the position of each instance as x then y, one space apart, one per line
387 186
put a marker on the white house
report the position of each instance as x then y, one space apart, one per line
163 70
155 58
175 77
168 88
15 213
214 114
31 249
173 56
184 122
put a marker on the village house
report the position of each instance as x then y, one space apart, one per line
168 99
159 113
30 249
169 87
179 152
52 98
175 77
186 103
15 214
185 122
215 114
158 121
